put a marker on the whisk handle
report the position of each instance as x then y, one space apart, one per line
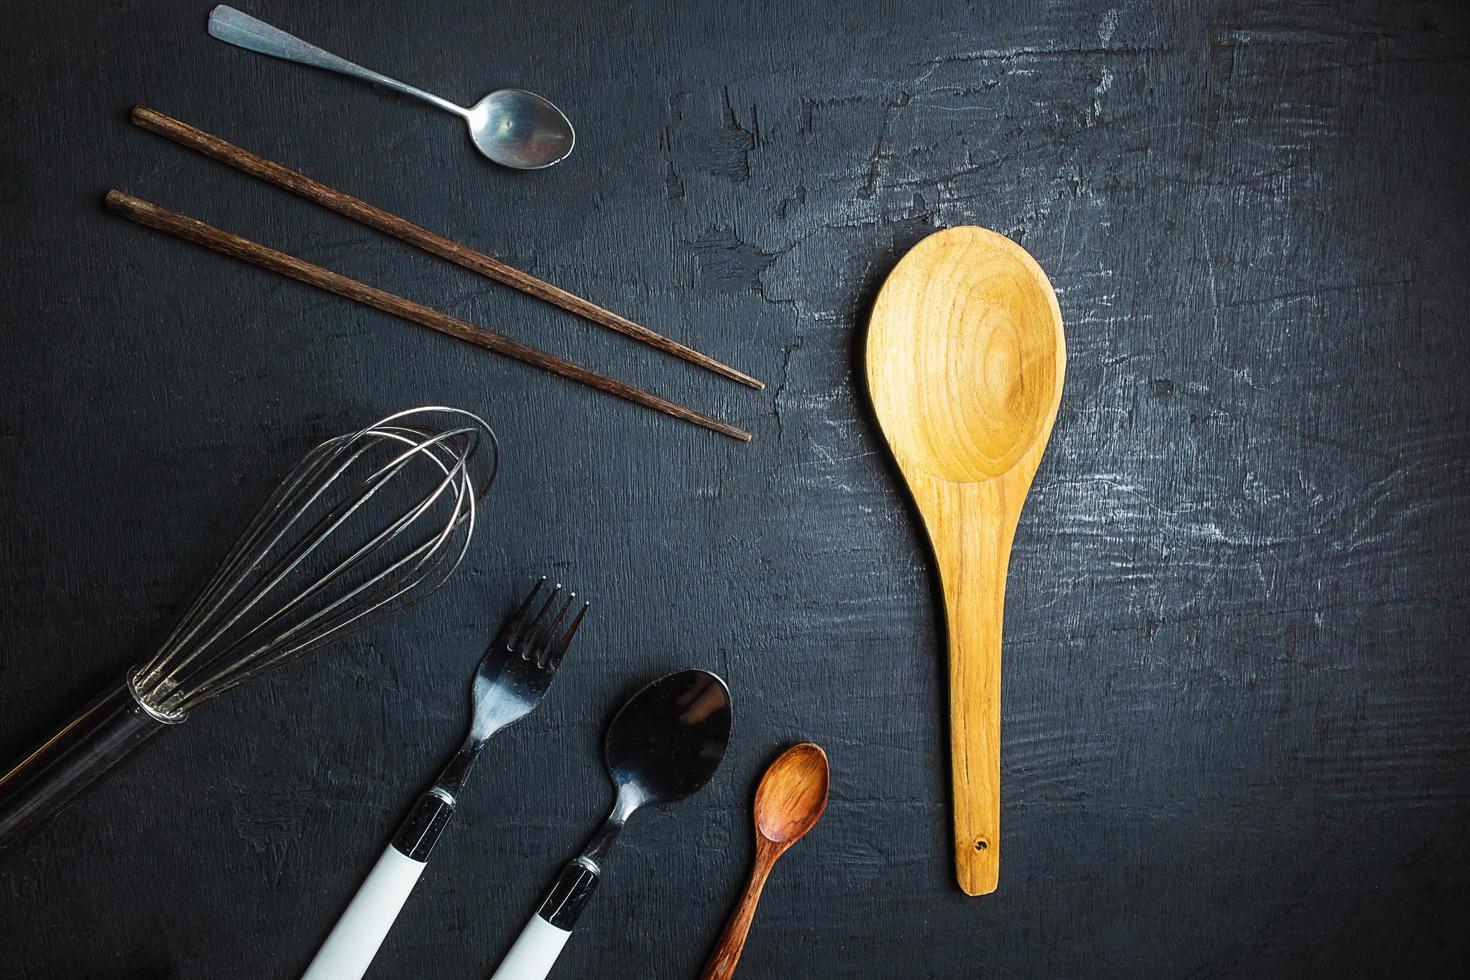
100 736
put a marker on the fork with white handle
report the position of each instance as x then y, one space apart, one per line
512 677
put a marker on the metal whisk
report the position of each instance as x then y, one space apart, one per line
365 525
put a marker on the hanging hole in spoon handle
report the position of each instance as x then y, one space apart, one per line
965 360
973 583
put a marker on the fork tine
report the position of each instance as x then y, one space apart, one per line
513 624
526 638
553 660
542 642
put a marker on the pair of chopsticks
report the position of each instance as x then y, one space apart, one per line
189 229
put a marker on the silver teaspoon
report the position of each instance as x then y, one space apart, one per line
512 127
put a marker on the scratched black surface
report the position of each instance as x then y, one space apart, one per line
1235 686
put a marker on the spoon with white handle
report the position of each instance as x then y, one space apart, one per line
512 127
663 744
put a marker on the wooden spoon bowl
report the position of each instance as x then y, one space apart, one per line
788 803
792 795
965 361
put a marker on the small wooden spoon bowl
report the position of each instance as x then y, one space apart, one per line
788 803
965 361
792 796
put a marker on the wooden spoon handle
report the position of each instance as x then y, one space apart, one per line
973 570
722 961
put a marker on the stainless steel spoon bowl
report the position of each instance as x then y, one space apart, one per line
519 129
668 739
665 743
514 128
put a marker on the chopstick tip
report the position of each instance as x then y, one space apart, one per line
734 374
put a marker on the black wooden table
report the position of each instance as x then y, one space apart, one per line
1235 686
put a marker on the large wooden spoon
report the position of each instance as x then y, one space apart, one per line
788 803
965 363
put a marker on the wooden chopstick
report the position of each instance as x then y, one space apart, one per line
358 210
200 233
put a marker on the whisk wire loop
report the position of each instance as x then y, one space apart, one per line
295 580
323 625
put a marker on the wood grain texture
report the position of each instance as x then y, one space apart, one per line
965 359
359 210
788 803
1236 710
235 246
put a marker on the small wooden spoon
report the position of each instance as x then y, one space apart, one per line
965 363
788 803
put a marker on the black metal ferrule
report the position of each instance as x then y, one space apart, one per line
425 823
569 895
55 773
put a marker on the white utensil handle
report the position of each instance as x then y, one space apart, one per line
357 935
534 953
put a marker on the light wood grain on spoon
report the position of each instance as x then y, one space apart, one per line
965 361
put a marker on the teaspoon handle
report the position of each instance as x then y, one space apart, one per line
723 960
243 31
